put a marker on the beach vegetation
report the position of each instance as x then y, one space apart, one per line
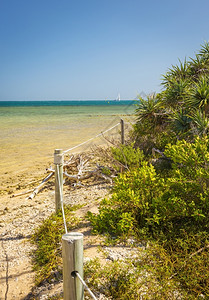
172 211
47 238
127 155
169 207
166 209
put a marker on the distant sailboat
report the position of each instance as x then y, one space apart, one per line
118 98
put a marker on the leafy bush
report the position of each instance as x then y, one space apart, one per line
173 210
127 155
146 140
190 180
131 203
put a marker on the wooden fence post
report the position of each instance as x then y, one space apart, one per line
72 256
58 161
122 132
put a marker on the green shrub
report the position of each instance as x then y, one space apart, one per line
173 210
127 155
147 139
131 203
188 185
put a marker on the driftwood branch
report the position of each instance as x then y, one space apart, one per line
36 190
81 166
95 172
23 193
76 169
70 161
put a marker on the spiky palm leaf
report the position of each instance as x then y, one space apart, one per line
200 123
198 66
150 110
176 73
204 52
199 95
176 93
180 121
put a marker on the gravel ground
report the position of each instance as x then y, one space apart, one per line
19 218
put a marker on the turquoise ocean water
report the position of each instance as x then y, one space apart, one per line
67 103
31 130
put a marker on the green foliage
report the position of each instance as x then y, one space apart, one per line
186 91
106 171
135 278
47 257
198 97
114 281
131 202
147 140
201 123
127 155
176 93
176 73
199 66
172 207
180 121
172 210
149 110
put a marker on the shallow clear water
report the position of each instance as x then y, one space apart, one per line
30 134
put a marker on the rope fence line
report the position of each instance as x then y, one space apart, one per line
58 175
84 284
100 134
74 273
72 242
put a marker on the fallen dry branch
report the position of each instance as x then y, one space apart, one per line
83 170
23 193
36 190
76 169
95 173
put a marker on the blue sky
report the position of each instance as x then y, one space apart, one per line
94 49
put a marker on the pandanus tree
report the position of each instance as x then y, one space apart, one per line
183 105
150 110
198 66
175 94
199 123
177 84
180 121
175 73
198 98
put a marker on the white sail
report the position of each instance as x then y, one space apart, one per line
118 98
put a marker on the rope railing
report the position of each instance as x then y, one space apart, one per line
72 242
100 134
84 284
74 273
